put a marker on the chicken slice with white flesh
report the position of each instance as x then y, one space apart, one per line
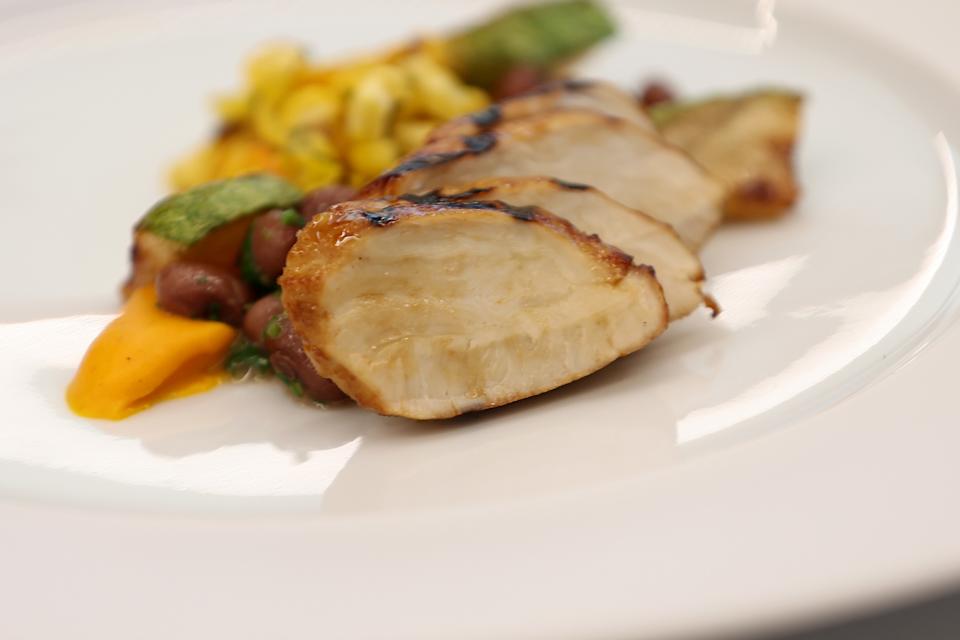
747 141
433 308
649 241
593 95
627 162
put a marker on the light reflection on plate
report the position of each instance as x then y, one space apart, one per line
866 319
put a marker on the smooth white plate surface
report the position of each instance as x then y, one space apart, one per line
794 457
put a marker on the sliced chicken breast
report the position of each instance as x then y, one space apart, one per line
747 142
627 162
594 95
649 241
433 308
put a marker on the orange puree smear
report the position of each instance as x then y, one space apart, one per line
145 356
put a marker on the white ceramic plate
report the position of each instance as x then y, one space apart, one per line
794 458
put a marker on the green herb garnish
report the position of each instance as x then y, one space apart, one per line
248 266
273 329
292 218
294 385
245 357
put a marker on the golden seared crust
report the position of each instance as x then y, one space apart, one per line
439 152
504 188
747 143
631 164
336 240
450 149
648 240
595 95
767 194
348 221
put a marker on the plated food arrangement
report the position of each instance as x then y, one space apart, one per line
382 231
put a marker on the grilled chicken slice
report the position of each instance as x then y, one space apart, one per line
433 308
649 241
624 160
747 142
592 95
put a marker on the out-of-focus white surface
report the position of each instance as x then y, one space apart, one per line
790 459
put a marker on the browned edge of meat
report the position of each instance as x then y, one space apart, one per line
318 252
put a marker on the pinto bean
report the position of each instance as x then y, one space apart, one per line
517 81
271 236
199 290
289 360
319 200
654 93
258 316
314 385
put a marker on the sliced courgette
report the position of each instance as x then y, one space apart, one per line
540 36
205 224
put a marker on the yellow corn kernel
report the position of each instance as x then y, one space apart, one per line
411 134
317 173
307 144
194 169
312 159
437 50
373 102
275 67
241 154
344 121
396 80
309 105
370 158
438 91
266 122
232 108
342 79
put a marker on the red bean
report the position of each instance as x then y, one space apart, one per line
319 200
199 290
654 93
258 316
517 81
271 236
313 384
289 360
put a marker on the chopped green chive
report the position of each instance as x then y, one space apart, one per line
273 329
294 385
245 357
291 218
